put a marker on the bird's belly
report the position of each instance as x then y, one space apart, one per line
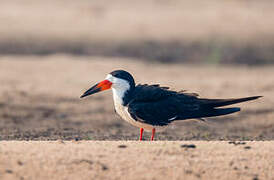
123 112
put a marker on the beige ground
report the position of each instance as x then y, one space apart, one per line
135 160
40 99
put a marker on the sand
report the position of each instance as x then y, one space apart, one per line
136 160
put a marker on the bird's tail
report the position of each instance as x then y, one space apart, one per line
219 112
210 107
213 103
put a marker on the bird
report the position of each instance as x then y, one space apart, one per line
151 107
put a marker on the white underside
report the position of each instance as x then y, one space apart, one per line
123 112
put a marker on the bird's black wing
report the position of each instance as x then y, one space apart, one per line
147 93
159 106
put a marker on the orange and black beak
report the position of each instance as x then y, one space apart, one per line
103 85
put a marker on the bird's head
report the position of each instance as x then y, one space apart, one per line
120 81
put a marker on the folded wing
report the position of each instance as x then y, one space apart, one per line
159 106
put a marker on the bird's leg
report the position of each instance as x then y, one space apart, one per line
153 133
141 133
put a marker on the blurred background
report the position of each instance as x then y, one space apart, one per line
52 51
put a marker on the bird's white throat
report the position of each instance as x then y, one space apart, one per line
119 88
118 96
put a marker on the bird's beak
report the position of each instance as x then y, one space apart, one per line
101 86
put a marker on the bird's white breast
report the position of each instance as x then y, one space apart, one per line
123 112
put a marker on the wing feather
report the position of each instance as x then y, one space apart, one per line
157 105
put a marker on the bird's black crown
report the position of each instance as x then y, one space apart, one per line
121 74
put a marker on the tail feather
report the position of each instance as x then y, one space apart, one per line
212 103
210 108
209 113
221 111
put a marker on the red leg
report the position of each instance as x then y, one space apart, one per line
141 133
153 133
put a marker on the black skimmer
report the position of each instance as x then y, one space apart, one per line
151 106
